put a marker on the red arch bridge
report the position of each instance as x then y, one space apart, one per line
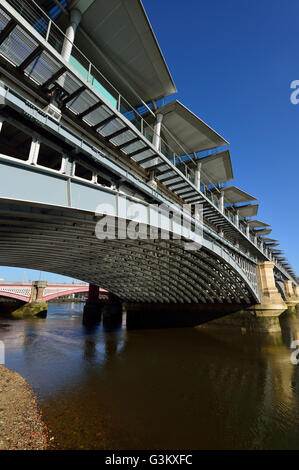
23 290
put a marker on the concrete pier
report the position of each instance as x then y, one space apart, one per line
36 305
93 306
162 315
292 294
261 317
141 316
272 303
112 312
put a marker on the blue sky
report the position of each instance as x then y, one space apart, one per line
233 62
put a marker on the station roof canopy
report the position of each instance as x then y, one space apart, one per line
187 132
257 223
269 245
117 37
264 231
249 210
216 168
269 240
233 195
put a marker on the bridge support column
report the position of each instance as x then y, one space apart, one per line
75 19
34 151
36 305
157 131
112 312
272 304
92 308
221 202
197 181
157 144
237 219
2 119
37 290
292 294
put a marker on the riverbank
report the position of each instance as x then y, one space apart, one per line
21 424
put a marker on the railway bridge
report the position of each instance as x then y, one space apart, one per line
106 178
28 291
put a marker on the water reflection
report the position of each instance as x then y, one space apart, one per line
172 388
101 352
112 322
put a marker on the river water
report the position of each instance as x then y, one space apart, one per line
188 388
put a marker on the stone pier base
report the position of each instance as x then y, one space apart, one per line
247 322
142 316
271 303
292 309
92 313
112 312
112 316
292 306
268 309
174 315
292 294
263 323
93 308
36 308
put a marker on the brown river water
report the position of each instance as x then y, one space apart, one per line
183 388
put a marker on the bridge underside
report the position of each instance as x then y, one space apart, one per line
62 240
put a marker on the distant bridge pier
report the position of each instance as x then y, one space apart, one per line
93 307
37 290
36 305
292 294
